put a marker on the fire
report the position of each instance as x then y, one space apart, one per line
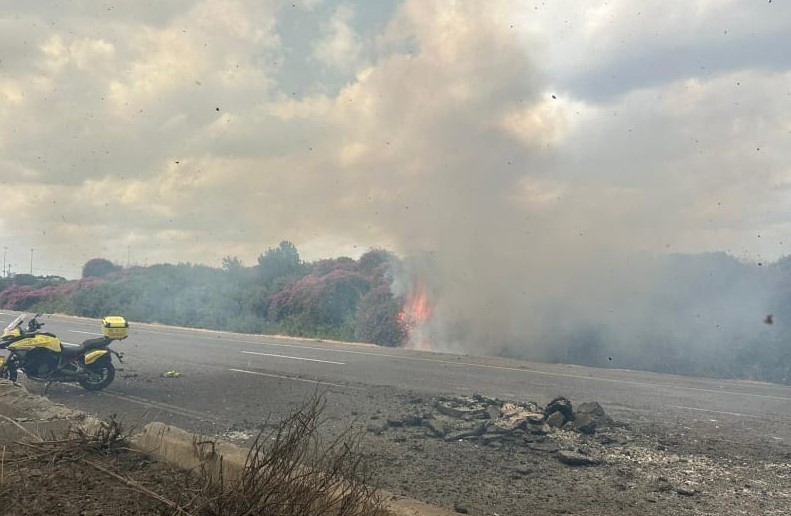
417 311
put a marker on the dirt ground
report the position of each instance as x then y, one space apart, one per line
38 484
636 467
631 465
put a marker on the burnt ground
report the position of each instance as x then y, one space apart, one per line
678 446
37 483
477 455
635 467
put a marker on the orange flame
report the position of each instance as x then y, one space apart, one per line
417 311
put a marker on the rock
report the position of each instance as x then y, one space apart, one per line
523 470
394 422
494 412
606 439
684 491
489 438
585 424
542 429
561 405
571 458
460 509
457 409
412 420
593 409
502 426
475 431
556 419
589 417
543 447
435 427
377 428
535 419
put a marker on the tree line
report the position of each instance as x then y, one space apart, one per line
707 314
338 298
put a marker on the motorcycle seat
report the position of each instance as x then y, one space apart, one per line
76 349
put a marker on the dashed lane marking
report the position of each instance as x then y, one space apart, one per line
482 366
724 412
293 358
180 411
269 375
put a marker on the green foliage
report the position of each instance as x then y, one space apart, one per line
280 263
98 268
281 294
25 279
704 318
377 318
232 264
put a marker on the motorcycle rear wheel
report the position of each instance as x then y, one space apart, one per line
100 374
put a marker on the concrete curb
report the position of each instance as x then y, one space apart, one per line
188 451
24 416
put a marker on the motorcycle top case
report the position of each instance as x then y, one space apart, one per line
115 327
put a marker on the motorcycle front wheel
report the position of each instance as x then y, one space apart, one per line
99 375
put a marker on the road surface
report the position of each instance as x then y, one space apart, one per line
231 379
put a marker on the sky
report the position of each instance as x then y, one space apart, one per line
532 135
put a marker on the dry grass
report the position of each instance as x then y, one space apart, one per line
289 471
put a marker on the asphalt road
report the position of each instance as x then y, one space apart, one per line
231 381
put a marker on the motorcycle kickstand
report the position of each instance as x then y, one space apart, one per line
47 387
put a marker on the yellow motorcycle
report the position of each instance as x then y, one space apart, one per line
43 357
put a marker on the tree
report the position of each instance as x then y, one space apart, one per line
377 319
279 262
98 268
232 264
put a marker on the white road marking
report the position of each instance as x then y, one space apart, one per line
287 377
738 414
293 358
192 414
218 336
86 332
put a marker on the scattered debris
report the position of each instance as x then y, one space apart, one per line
561 405
555 429
571 458
171 374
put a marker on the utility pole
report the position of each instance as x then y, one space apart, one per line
31 260
5 250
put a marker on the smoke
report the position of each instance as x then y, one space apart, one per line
544 227
538 166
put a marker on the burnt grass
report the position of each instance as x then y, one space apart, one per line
471 455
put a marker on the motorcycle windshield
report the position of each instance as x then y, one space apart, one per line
16 322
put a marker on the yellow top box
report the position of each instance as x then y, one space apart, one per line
115 327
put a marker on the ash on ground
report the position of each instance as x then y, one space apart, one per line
492 456
555 428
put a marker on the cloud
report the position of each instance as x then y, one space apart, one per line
167 129
340 47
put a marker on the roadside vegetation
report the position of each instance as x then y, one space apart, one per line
290 471
337 298
703 315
